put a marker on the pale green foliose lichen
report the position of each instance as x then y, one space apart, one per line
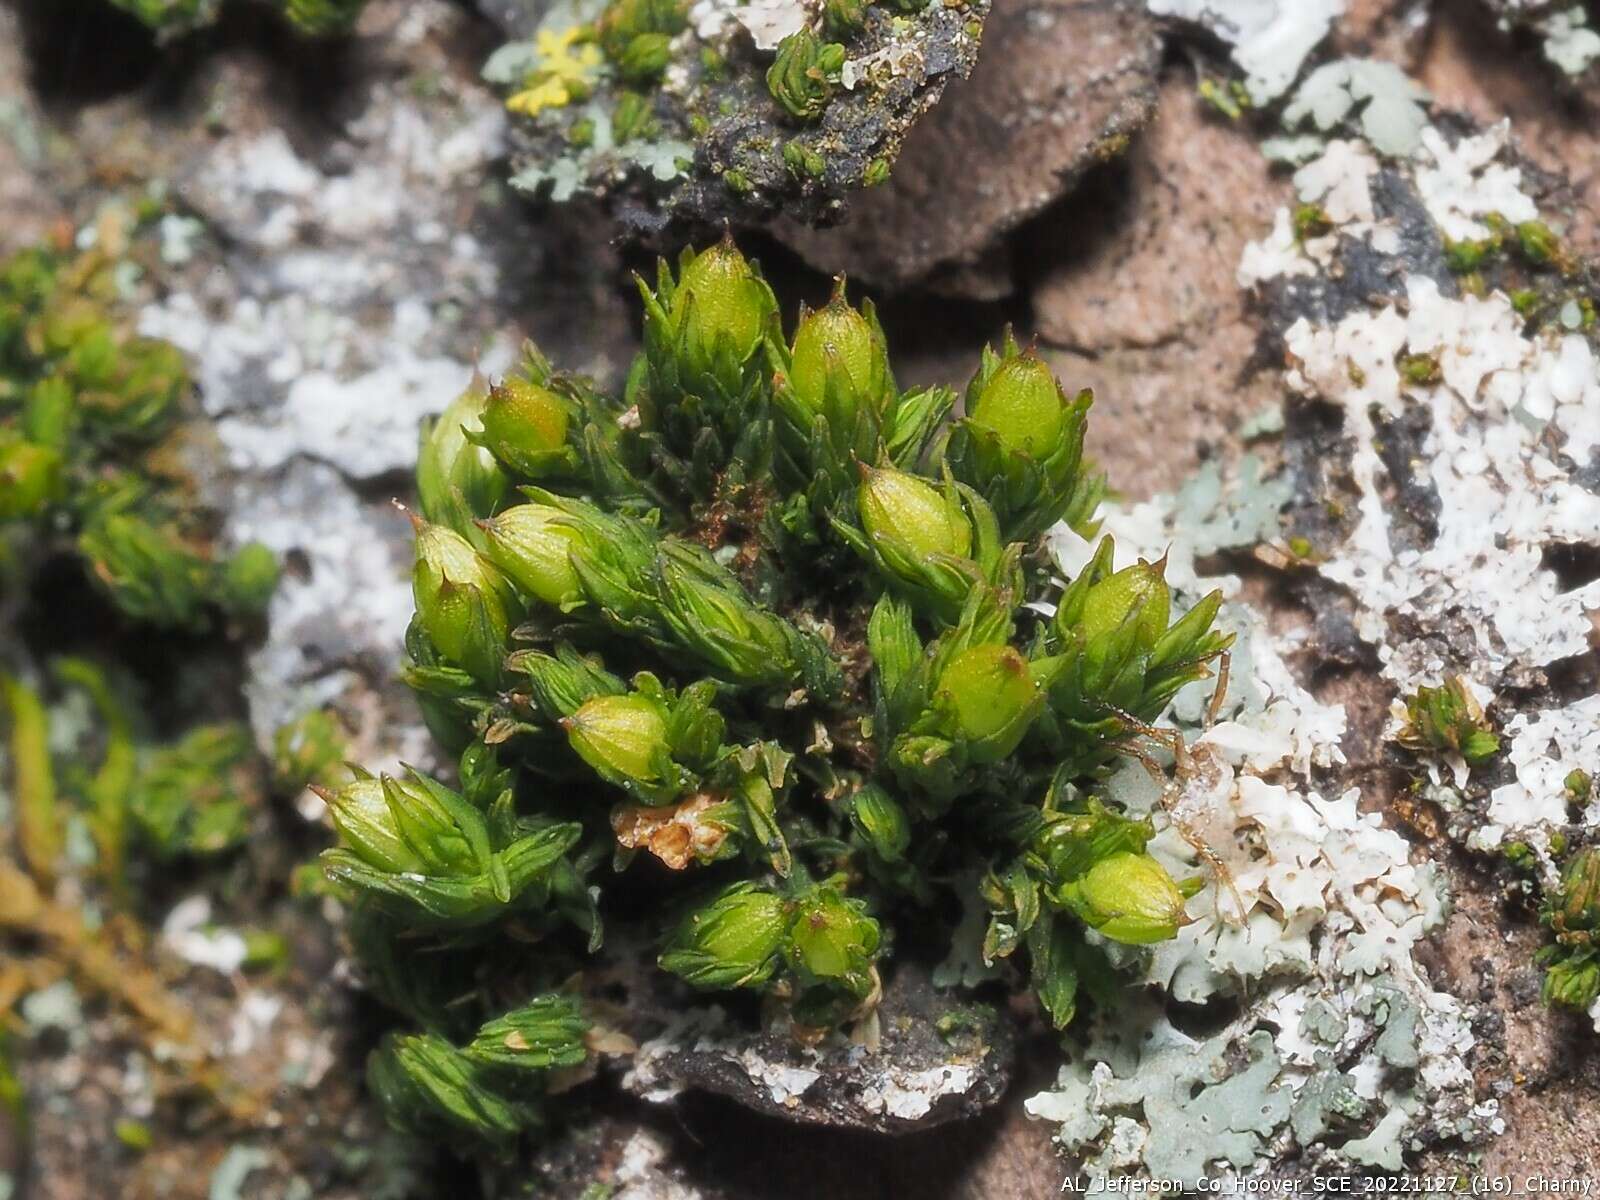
1375 98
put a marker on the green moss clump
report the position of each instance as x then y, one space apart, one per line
90 441
760 646
636 36
1311 221
1572 914
1420 368
1468 255
805 74
1448 719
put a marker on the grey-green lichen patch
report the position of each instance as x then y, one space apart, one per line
1564 28
659 159
1186 1106
1444 315
704 139
1569 40
1508 409
1338 1050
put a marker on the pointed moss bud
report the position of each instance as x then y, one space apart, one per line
414 824
1118 653
458 480
463 602
1138 595
525 427
839 363
360 813
1579 907
547 1032
441 828
465 878
425 1085
882 822
1021 445
912 514
832 940
835 398
624 738
702 332
1022 406
935 543
721 300
1573 983
710 616
730 942
1128 898
30 478
989 698
805 74
531 544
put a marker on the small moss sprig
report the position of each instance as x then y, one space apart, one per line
756 639
1572 914
636 36
805 74
1448 719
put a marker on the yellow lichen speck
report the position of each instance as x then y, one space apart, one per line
565 72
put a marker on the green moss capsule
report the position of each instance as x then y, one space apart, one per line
1023 407
991 698
839 363
732 941
1128 898
531 544
463 601
624 738
911 515
1138 595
